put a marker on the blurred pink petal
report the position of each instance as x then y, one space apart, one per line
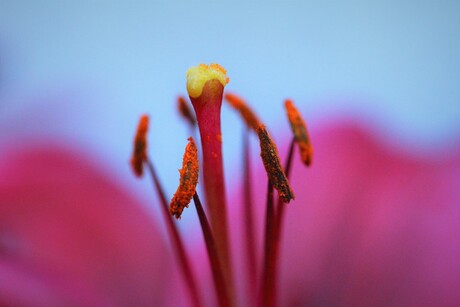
372 226
71 236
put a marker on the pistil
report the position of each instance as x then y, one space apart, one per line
205 85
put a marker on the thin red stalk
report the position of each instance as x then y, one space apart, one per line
278 223
268 283
216 266
273 242
178 245
248 213
280 206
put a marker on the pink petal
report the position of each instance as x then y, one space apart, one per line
372 226
71 236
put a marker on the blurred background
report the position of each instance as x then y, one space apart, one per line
82 72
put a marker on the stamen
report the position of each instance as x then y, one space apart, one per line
299 128
250 118
252 123
188 180
186 111
176 239
272 164
273 227
140 146
139 158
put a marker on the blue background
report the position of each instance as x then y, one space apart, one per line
81 72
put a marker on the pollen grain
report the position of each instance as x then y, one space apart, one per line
187 182
272 164
299 129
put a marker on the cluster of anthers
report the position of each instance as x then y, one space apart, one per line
205 86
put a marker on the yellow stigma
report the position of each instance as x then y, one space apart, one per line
197 76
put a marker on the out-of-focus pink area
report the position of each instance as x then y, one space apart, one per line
369 226
372 226
69 235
